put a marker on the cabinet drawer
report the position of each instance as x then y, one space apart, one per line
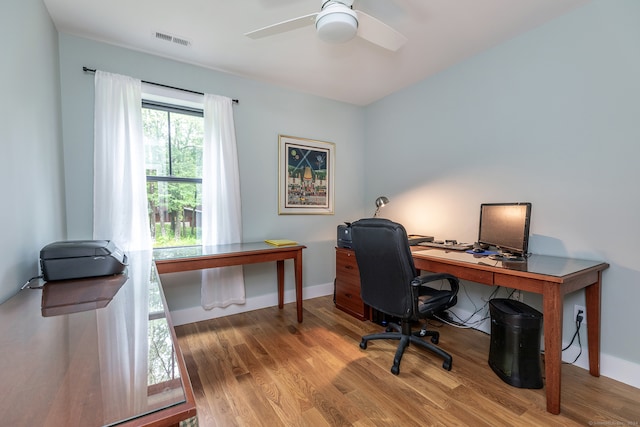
346 264
348 299
349 276
348 284
348 288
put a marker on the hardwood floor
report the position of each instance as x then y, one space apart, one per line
263 368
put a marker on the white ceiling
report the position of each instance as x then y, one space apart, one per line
440 33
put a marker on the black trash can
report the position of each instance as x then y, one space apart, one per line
514 355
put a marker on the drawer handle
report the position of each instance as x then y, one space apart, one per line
348 267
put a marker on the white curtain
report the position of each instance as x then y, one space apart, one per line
221 209
119 183
120 215
123 343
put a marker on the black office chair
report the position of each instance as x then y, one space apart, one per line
389 283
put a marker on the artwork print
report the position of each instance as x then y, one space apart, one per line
306 176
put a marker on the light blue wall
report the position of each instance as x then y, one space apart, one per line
32 206
264 112
550 117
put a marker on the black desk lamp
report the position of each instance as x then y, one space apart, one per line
380 202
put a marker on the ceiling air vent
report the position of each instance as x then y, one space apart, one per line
172 39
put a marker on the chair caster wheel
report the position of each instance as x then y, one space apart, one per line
363 345
395 370
389 329
447 365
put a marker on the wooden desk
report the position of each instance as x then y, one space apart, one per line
170 260
552 277
93 352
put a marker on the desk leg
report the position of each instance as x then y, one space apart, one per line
298 269
280 264
552 309
592 297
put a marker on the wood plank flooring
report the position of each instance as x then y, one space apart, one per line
263 368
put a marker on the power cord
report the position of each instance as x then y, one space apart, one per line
456 321
28 283
579 319
466 323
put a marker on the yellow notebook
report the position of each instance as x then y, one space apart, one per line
280 242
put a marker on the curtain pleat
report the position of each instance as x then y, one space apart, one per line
120 215
119 190
221 207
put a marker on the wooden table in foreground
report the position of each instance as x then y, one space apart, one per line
552 277
93 352
170 260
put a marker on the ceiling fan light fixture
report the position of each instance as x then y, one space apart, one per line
336 23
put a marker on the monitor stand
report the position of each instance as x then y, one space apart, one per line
506 256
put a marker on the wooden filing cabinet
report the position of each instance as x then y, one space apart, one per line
348 285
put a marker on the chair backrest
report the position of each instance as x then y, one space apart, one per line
386 265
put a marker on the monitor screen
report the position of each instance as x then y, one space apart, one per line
505 226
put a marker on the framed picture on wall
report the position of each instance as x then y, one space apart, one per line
306 176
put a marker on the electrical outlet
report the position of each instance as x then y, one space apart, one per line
519 295
576 310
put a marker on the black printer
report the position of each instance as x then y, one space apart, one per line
75 259
344 236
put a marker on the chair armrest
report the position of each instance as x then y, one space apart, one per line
437 300
454 283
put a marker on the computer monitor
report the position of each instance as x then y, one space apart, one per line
505 226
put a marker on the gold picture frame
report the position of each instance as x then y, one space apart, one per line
305 176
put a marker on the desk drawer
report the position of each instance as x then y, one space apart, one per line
522 283
348 299
471 273
348 284
346 265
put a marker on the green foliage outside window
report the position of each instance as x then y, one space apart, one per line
173 157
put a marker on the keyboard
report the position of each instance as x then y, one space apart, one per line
448 246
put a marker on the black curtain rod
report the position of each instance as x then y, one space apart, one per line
90 70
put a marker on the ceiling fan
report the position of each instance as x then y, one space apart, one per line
338 22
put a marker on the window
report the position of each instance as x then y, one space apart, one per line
173 137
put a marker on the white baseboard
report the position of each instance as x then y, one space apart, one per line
197 314
610 366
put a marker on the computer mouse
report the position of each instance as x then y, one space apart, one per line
478 250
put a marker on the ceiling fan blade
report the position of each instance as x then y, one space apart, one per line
377 32
283 27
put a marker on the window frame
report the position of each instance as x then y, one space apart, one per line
196 110
172 108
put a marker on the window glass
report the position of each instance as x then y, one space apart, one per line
173 140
